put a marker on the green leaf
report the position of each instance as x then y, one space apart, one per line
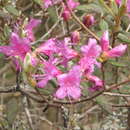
13 106
114 7
7 31
38 1
123 38
122 10
103 25
106 7
115 63
11 9
52 14
102 101
90 7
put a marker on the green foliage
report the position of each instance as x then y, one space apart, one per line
11 9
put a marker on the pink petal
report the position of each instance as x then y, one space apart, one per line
118 2
96 80
105 41
74 92
48 3
14 39
61 93
7 50
51 69
117 51
92 49
32 24
72 4
43 82
87 64
47 47
128 5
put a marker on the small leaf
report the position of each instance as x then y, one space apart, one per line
103 25
13 106
115 63
11 9
52 14
106 7
114 6
122 10
7 31
123 38
90 7
38 1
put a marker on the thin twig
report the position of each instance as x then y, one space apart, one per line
80 23
116 94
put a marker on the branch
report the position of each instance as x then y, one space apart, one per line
80 22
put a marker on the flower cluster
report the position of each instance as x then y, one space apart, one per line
65 61
79 65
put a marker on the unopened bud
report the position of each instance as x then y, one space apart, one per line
88 20
66 15
75 37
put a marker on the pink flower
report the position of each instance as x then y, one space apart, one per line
69 84
18 46
60 48
48 3
29 28
50 72
90 54
110 53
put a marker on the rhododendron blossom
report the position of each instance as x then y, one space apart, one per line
117 51
69 84
50 71
90 54
18 47
59 47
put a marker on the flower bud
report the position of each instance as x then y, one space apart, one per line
88 20
75 37
66 15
